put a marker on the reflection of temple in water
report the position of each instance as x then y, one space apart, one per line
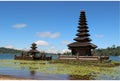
32 72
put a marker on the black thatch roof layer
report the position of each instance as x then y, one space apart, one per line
78 44
82 39
33 49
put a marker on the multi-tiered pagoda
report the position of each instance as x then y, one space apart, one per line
33 54
33 50
82 46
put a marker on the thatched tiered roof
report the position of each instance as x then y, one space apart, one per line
82 39
33 49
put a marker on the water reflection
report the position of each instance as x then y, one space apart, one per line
32 72
115 75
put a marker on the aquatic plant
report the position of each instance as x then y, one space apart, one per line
72 68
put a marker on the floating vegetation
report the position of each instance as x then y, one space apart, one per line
78 70
78 77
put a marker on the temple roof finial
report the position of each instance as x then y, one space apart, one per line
82 10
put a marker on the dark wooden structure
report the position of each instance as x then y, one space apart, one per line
82 49
33 54
82 46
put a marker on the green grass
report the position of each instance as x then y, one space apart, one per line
69 67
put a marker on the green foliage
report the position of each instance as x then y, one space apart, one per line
9 51
86 63
114 50
67 53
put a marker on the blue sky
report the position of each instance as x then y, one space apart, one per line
53 25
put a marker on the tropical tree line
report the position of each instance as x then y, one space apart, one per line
113 50
9 51
4 50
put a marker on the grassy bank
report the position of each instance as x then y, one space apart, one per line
88 63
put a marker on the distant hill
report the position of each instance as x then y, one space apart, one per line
113 50
4 50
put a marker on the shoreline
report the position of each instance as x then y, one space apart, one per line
7 77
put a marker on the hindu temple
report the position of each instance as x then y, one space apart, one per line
82 46
33 54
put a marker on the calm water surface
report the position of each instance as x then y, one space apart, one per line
11 56
24 72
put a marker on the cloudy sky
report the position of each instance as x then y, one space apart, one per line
53 25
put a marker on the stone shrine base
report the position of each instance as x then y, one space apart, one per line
89 58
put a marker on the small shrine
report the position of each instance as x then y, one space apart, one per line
33 54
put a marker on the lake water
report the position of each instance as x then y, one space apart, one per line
54 56
24 72
115 58
11 56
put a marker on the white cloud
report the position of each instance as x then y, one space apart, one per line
19 25
9 46
98 35
26 48
65 42
42 43
12 47
48 34
65 50
52 51
57 51
52 47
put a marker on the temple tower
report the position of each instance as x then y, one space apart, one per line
33 47
33 50
82 46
